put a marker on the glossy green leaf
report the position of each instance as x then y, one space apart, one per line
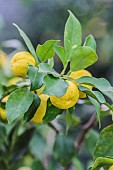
104 146
63 150
54 86
51 62
18 103
100 162
100 83
27 42
32 109
72 35
59 50
51 112
97 108
36 77
83 57
90 42
94 94
45 68
46 51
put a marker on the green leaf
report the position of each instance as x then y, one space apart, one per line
72 35
104 146
37 165
59 50
77 164
36 77
38 146
71 120
45 68
63 150
46 51
94 94
83 57
51 62
18 103
32 109
2 134
97 108
90 140
51 112
20 147
100 83
27 42
100 162
54 86
90 41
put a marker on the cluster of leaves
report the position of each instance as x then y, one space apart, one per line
23 103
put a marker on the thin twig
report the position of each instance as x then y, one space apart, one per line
85 128
53 127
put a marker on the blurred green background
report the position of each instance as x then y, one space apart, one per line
45 19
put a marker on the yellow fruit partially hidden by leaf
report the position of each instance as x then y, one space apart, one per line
20 62
14 81
69 99
39 91
111 167
41 109
3 115
24 168
78 74
3 59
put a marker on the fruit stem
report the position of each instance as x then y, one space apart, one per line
64 69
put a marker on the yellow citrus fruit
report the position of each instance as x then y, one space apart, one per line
111 167
39 91
41 109
78 74
24 168
20 62
3 59
14 81
3 115
69 99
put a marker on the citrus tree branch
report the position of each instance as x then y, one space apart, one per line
85 128
53 127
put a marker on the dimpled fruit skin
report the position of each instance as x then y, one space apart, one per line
3 115
41 109
3 59
78 74
111 167
20 62
69 99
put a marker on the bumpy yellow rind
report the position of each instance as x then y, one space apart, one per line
111 167
41 109
20 62
69 99
78 74
3 59
3 115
